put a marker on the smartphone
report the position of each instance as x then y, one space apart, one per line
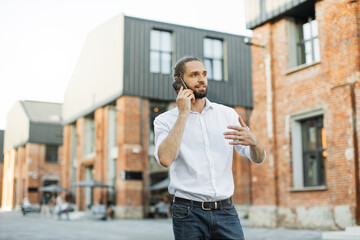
177 84
183 83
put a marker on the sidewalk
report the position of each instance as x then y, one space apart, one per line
15 226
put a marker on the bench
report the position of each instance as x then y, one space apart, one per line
99 211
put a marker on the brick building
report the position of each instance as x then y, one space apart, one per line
32 147
306 73
1 161
120 84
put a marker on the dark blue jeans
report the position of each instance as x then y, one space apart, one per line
195 223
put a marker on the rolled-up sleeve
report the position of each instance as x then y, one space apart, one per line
243 150
161 132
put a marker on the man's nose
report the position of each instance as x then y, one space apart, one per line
202 78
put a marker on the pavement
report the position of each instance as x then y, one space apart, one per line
33 226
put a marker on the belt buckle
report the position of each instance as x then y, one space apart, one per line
207 209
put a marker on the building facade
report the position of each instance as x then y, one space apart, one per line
32 147
1 161
306 73
120 84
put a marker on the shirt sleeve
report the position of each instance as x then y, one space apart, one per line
161 132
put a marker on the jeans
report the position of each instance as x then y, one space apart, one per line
195 223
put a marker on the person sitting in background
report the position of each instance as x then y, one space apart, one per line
64 208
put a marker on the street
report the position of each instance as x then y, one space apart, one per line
33 226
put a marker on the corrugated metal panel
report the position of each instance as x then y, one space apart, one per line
46 133
265 16
139 81
1 146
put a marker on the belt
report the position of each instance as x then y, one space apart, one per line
206 205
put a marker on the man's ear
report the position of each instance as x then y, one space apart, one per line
177 85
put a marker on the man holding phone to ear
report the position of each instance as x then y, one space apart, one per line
196 140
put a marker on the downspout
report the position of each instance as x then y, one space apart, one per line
356 151
142 156
274 143
354 113
271 119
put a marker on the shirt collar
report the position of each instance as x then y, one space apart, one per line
208 105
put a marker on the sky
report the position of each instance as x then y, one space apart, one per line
41 40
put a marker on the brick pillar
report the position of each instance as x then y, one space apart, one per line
1 181
101 154
65 179
34 155
241 168
8 180
21 188
80 170
131 157
262 122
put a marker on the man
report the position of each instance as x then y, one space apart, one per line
196 141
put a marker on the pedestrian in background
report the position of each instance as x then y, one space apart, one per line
44 203
196 141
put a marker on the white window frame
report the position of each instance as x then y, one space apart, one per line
297 150
295 39
161 51
89 137
209 58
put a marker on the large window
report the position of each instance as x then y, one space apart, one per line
309 152
160 52
214 58
303 42
89 136
51 155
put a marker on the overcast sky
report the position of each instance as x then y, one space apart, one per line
41 40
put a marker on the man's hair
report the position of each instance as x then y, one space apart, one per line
179 67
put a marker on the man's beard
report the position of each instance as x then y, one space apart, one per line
200 94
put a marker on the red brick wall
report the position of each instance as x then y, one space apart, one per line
131 137
324 85
241 170
1 181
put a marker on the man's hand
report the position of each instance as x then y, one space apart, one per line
184 99
241 136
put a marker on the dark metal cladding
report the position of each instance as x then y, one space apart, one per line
283 10
46 133
187 41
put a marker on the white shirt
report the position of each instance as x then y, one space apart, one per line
203 168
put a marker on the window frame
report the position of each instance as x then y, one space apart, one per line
89 137
161 52
301 43
47 152
212 59
296 42
297 147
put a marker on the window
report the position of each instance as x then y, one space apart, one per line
303 42
51 155
89 136
214 58
160 52
309 152
314 151
72 167
308 45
